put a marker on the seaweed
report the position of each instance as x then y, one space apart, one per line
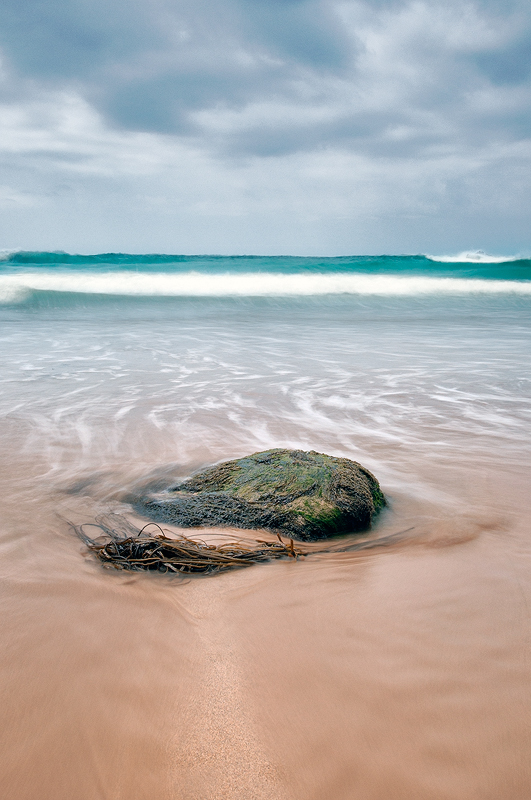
122 546
126 547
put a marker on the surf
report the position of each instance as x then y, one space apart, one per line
19 287
474 256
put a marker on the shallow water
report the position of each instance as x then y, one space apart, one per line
400 671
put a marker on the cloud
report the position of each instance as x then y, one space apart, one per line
347 116
81 186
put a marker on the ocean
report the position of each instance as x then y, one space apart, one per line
398 672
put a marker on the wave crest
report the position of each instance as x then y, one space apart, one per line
473 257
15 288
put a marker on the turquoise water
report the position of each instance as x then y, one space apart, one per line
29 278
474 265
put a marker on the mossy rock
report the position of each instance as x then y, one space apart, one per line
303 495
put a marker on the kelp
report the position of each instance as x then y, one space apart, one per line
122 546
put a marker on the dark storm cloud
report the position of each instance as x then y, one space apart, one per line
266 77
90 39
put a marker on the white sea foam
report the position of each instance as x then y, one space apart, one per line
474 256
16 287
13 291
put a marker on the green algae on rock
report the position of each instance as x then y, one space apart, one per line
304 495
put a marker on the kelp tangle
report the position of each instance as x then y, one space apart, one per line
122 546
303 495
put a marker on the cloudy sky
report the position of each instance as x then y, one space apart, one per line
265 126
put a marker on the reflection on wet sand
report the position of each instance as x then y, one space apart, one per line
399 671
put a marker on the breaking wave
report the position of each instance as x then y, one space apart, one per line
19 287
474 257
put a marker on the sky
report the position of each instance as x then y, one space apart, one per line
305 127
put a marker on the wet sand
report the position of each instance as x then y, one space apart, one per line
398 672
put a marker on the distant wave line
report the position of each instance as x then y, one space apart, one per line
18 287
52 258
